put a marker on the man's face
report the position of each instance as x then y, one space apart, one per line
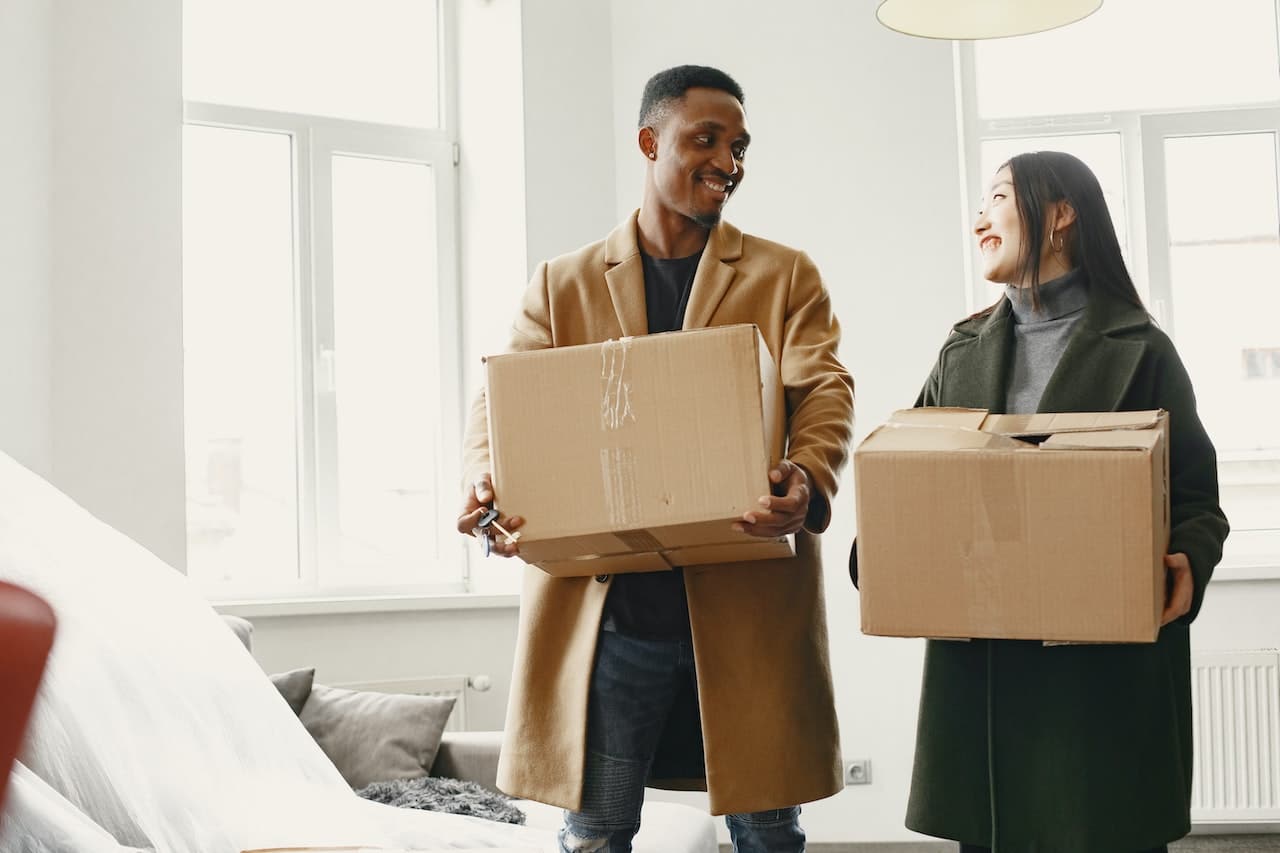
700 146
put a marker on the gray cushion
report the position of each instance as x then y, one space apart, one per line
376 737
295 686
242 628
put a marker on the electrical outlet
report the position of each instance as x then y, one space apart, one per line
857 772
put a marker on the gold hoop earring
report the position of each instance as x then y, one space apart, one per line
1062 241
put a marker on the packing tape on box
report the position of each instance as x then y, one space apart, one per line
618 475
615 385
640 541
982 603
1002 507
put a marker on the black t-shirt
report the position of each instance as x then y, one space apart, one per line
652 605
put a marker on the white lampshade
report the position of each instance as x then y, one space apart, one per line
980 19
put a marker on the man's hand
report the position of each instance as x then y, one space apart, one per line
784 511
1178 588
475 501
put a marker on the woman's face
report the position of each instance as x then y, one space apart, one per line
999 230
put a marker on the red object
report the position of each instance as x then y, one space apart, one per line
27 625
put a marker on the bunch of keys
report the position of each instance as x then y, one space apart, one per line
485 526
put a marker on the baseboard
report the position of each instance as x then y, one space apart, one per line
1257 827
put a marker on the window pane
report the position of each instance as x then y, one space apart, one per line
238 321
386 377
1101 152
1225 259
1132 55
1214 199
373 60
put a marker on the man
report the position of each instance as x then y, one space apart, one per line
714 677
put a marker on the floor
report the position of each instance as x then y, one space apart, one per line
1191 844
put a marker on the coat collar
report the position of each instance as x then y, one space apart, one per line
977 363
1094 373
625 275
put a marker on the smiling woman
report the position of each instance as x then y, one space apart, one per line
1070 334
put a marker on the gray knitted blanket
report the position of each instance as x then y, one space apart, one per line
444 795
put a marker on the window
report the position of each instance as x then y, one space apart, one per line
1177 110
322 390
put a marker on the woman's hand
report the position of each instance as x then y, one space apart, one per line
1178 587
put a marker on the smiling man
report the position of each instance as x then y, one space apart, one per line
714 677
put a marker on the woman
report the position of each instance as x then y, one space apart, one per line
1026 747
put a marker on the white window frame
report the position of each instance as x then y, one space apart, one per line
1141 139
315 140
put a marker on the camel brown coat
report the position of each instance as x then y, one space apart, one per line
767 717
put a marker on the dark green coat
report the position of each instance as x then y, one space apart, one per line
1071 749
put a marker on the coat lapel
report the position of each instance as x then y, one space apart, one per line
625 277
1096 369
714 275
974 368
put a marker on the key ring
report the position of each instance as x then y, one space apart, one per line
485 526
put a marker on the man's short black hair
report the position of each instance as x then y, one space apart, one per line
671 85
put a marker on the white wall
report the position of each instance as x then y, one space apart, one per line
117 266
375 647
25 166
1238 615
537 154
854 159
494 256
568 102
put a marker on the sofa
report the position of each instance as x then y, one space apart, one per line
473 757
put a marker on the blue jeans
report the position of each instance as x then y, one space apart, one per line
633 686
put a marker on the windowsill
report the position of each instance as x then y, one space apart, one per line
257 608
1245 572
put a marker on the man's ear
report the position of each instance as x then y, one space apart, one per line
647 139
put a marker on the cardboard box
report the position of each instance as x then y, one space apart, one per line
638 454
1041 527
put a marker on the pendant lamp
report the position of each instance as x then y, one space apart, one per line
980 19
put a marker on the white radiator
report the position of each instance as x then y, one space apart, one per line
1236 718
456 686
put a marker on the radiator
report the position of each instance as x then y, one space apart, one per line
1236 729
456 686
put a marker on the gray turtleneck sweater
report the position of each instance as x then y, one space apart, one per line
1040 337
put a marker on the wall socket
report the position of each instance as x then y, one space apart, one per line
857 772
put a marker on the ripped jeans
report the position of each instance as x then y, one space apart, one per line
633 685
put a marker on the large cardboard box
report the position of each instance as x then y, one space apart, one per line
1042 527
636 454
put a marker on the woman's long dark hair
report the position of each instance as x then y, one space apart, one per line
1041 178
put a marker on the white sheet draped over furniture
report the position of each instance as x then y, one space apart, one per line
155 725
